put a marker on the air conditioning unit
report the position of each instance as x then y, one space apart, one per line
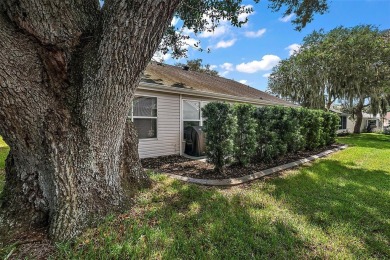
195 141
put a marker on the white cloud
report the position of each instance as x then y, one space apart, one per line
266 75
224 73
243 81
191 42
220 30
266 63
225 44
159 56
213 67
175 20
227 66
293 48
256 34
243 16
287 18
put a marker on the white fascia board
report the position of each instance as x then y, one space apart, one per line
175 90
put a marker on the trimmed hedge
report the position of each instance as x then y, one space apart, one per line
220 128
245 142
265 133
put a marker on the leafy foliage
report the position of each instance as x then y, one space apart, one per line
330 125
349 64
269 136
312 131
196 65
245 138
220 128
265 133
206 15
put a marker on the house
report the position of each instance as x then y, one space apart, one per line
386 120
170 98
372 122
375 122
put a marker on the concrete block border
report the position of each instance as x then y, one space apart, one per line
256 175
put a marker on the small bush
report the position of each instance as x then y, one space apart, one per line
220 128
311 121
245 138
270 121
330 127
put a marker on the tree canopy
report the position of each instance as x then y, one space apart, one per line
196 65
206 15
347 64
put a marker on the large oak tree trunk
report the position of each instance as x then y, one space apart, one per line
68 72
359 117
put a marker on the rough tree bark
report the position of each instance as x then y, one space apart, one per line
359 116
68 72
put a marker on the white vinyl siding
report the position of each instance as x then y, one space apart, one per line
168 126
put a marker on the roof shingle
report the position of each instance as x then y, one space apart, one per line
174 76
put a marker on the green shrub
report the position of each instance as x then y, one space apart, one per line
266 132
330 127
270 121
245 137
312 130
220 127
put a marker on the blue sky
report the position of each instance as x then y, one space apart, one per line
247 54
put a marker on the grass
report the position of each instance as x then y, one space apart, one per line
4 149
337 207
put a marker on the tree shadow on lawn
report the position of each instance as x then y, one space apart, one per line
332 214
344 201
370 140
178 220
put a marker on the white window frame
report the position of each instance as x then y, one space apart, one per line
201 118
132 117
341 123
376 122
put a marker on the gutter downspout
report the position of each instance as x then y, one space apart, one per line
181 125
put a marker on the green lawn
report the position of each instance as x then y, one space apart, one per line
337 207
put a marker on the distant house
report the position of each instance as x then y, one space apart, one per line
386 120
170 98
373 122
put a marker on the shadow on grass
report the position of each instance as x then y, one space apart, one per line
344 201
326 211
189 221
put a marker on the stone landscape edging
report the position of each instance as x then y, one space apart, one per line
256 175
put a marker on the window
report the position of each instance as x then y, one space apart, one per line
343 122
372 122
192 113
144 115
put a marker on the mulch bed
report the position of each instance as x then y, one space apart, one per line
179 165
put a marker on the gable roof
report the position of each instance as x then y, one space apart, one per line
176 77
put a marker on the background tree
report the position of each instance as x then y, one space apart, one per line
68 73
349 64
196 65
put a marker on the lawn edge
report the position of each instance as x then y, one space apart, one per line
256 175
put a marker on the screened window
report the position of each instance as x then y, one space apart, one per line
144 115
372 122
343 122
192 113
